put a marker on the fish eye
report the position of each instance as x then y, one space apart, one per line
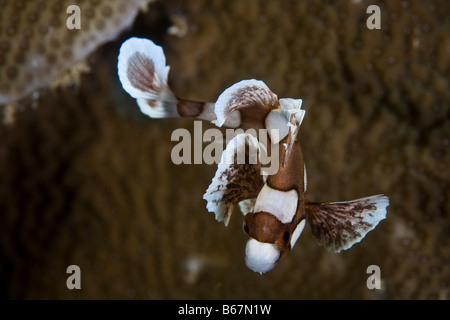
246 227
286 237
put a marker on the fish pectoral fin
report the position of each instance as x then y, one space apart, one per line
339 225
235 179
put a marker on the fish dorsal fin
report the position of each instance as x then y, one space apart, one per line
238 177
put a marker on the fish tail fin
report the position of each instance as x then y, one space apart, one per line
339 225
143 73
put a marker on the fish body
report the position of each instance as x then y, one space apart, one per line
274 205
278 217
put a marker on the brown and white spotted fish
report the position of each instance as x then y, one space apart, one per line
274 205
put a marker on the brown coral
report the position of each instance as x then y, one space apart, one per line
36 44
83 184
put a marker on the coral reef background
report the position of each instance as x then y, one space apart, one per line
87 180
38 41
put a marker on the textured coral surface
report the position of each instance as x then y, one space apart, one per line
87 180
36 44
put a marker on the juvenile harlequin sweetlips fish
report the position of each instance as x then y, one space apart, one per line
274 205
